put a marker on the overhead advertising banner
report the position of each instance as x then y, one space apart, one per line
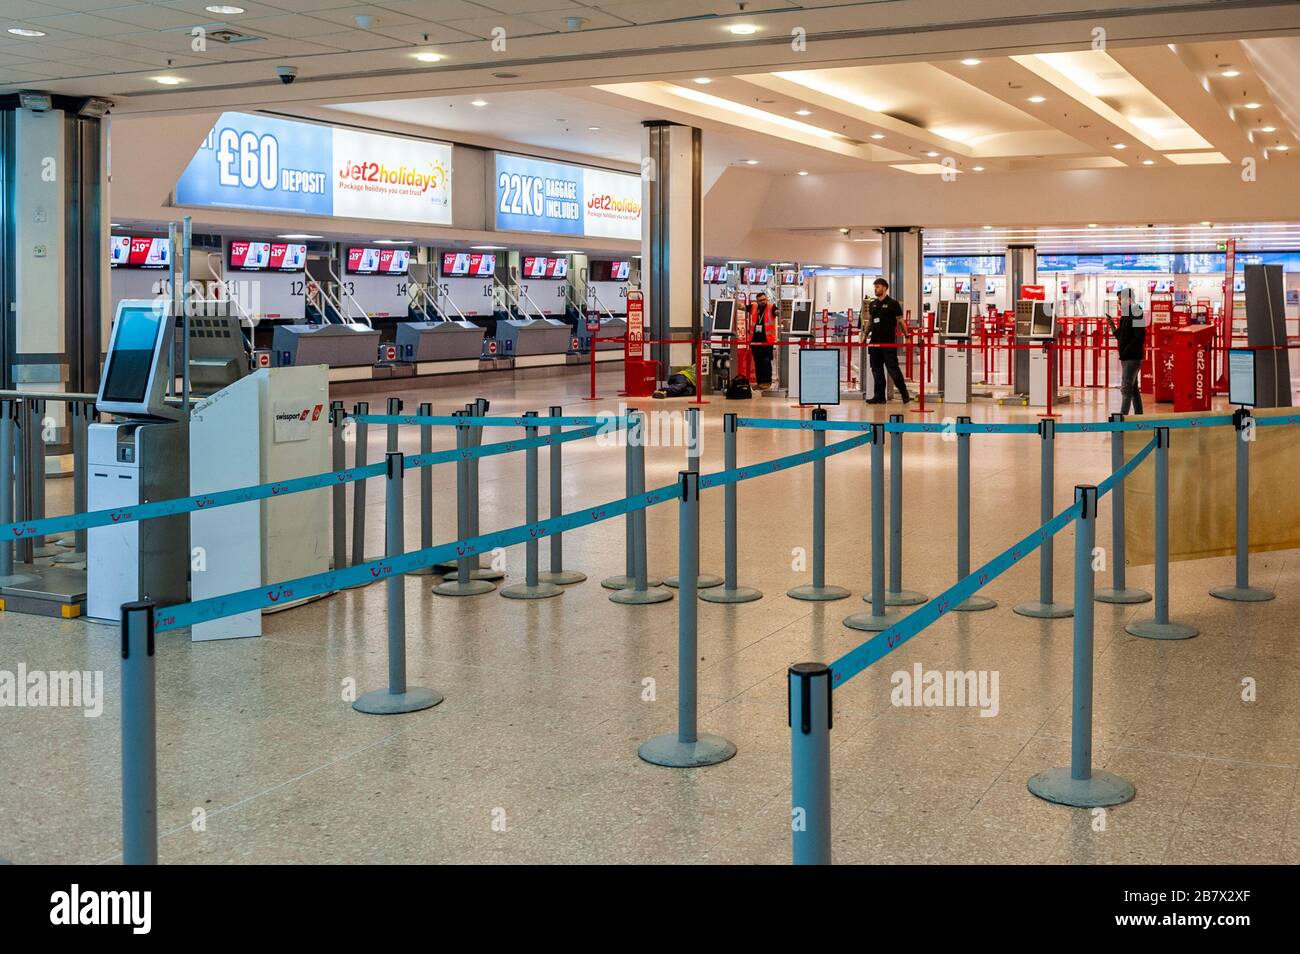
535 195
266 164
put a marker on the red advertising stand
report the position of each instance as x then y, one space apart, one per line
640 377
1192 377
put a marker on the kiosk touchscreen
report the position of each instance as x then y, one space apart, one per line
134 382
1042 329
801 318
954 369
1043 323
956 323
722 317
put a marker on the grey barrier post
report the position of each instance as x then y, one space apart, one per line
554 458
532 588
819 591
463 584
687 748
360 432
880 617
1160 626
85 413
22 479
730 591
477 408
809 715
1045 607
426 490
1243 592
394 409
1078 785
139 737
974 602
8 483
339 492
706 580
36 466
398 697
1119 591
895 595
640 592
629 522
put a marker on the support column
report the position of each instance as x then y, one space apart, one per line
671 250
1022 269
902 264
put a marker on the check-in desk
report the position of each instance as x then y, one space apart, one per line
533 342
349 350
440 347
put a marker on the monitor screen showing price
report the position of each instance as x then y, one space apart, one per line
616 271
267 256
365 260
139 251
468 264
538 266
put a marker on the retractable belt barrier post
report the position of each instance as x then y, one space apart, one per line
895 595
687 748
880 617
558 574
1078 785
464 584
629 523
706 580
973 603
339 493
477 408
1119 590
1045 607
1160 626
80 413
391 437
36 472
360 434
8 429
818 591
641 592
731 591
398 697
22 502
809 714
426 491
532 588
1243 592
139 737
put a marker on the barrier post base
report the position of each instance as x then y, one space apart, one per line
383 702
454 587
1103 789
704 581
1037 610
522 591
635 597
489 575
1243 594
15 579
741 594
975 604
818 594
1127 595
1150 629
562 577
627 582
670 751
423 571
870 622
904 598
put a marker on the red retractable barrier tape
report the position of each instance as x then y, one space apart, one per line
1193 383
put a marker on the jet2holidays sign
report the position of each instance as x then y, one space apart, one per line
533 195
267 164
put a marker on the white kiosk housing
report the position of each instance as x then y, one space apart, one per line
955 367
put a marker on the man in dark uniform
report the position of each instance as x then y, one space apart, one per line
880 318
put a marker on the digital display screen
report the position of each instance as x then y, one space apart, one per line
755 276
1043 324
135 251
789 276
1241 377
365 260
716 274
126 377
468 264
539 266
724 313
801 317
610 271
957 319
267 256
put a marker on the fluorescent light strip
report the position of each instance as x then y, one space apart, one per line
708 99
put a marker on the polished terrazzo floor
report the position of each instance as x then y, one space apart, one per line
532 757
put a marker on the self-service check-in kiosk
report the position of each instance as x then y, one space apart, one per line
1042 333
801 330
141 457
720 333
954 370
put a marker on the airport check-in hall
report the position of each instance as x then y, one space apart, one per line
651 433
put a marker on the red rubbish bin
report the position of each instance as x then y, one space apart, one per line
1162 361
1192 384
640 377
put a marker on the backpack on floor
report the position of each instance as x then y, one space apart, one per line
738 389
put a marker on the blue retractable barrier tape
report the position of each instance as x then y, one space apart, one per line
724 477
885 642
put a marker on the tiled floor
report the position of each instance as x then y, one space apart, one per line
532 758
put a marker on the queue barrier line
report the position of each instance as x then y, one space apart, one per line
607 420
1078 427
281 488
882 644
750 471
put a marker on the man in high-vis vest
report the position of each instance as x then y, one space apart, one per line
762 338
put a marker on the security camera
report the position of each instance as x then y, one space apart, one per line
287 74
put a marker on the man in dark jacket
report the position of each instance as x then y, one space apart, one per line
880 317
1130 337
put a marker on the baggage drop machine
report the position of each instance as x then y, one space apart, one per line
801 331
720 333
954 369
1041 336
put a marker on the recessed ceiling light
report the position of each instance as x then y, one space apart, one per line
987 227
877 135
593 129
803 112
1281 148
971 61
478 102
978 169
751 162
23 31
302 236
703 80
803 172
488 248
1148 162
742 29
392 242
224 9
1205 223
1229 74
1092 225
1252 105
566 251
932 154
1120 145
168 80
1268 129
429 57
1038 99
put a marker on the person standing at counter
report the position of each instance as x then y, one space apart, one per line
762 325
1130 339
880 318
